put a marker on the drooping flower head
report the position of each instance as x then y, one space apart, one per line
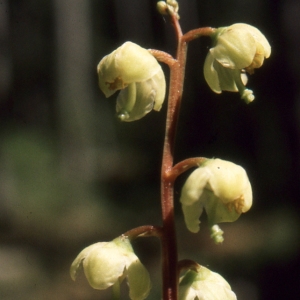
108 263
134 71
204 285
237 49
220 187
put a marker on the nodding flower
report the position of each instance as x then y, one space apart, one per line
107 263
236 49
134 71
220 187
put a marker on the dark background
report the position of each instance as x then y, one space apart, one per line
71 174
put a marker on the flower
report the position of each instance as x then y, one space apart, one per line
204 285
237 48
135 72
108 263
222 188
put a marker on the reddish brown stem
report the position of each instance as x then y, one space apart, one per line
184 166
169 245
163 57
144 231
177 71
196 33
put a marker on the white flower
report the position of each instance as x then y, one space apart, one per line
138 75
106 263
204 285
237 48
221 187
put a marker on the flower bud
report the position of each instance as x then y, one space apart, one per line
204 285
237 48
106 263
135 72
221 187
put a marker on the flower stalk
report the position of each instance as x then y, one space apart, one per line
169 244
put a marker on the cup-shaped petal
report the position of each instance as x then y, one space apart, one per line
138 280
138 99
237 45
129 63
228 181
104 266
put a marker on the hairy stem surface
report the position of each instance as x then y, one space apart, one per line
177 71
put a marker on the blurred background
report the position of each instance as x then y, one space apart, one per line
71 174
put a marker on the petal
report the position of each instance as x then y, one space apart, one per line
127 64
206 285
77 263
211 74
235 48
138 99
135 103
258 36
138 280
186 292
194 186
213 286
217 211
227 77
135 63
228 181
247 198
159 85
104 266
192 214
191 200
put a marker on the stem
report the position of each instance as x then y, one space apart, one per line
196 33
184 165
177 71
169 245
143 231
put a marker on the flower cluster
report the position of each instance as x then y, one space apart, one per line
237 48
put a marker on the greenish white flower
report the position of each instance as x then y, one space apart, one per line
134 71
204 285
108 263
220 187
237 48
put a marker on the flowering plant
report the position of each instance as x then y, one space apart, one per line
220 187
